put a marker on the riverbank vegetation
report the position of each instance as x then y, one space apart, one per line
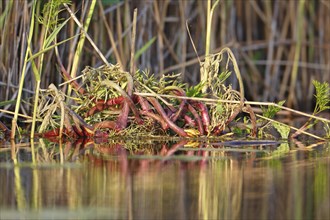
99 68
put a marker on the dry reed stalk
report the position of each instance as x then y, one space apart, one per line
167 43
73 43
120 37
132 63
160 39
111 37
272 24
298 37
183 38
278 54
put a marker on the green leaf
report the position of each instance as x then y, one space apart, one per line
322 96
271 111
49 48
52 36
35 71
144 48
4 103
196 91
284 130
224 75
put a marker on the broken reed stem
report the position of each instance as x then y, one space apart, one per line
210 100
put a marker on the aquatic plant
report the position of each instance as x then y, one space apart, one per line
322 97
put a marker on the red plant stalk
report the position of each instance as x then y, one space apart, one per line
158 118
179 112
189 121
217 130
143 103
100 105
87 129
146 110
95 109
204 113
114 101
70 131
122 119
162 113
197 118
128 104
179 92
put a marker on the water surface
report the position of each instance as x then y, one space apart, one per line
165 180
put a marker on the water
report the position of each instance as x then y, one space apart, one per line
172 180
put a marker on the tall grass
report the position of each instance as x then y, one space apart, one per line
264 36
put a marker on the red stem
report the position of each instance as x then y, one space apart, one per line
115 101
157 118
143 103
197 117
161 111
189 120
204 113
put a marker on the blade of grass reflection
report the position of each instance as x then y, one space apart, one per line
37 192
19 190
61 153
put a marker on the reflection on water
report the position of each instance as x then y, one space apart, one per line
156 180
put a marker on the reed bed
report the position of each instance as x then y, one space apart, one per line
280 46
